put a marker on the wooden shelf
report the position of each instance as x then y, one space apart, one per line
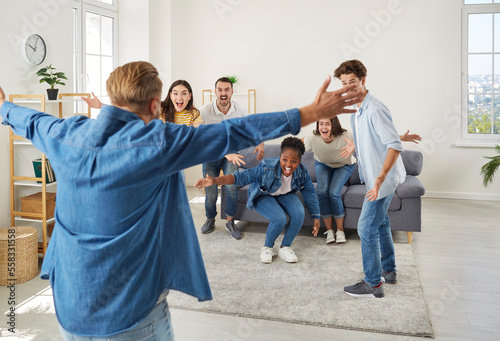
23 181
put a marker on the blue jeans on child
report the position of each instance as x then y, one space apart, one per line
155 326
377 247
275 209
330 183
211 193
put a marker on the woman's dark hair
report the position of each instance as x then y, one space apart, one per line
295 144
337 129
168 107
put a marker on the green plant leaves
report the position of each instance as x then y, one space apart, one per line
50 77
489 169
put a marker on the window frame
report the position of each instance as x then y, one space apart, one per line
97 7
489 8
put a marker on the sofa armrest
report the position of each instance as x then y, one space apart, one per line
411 188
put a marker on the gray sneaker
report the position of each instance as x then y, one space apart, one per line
233 229
389 277
363 289
208 226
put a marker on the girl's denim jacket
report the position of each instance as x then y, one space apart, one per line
266 178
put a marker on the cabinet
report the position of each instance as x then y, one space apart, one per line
251 97
21 154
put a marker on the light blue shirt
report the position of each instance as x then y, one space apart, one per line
124 231
374 133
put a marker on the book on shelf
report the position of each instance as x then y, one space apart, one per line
49 172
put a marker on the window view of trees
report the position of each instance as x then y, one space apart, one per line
483 105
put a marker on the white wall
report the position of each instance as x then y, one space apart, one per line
53 20
133 31
284 49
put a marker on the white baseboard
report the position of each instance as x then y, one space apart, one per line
462 196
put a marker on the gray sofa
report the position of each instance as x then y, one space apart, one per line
404 210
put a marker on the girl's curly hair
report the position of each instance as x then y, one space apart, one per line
295 144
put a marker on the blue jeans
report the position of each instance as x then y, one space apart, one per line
155 326
330 183
211 193
377 247
275 209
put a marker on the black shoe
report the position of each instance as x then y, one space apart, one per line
233 229
363 289
389 277
208 226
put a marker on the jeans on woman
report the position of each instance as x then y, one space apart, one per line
155 326
377 247
275 209
211 193
330 183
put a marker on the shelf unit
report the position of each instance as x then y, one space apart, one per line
251 94
30 181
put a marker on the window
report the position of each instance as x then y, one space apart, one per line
95 45
481 64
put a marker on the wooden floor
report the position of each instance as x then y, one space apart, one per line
458 258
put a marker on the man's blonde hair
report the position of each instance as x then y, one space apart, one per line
133 85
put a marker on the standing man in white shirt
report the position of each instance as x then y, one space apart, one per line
223 108
378 146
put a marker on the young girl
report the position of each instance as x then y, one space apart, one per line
176 108
333 167
272 193
178 105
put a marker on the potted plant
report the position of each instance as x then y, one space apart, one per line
233 80
488 170
52 78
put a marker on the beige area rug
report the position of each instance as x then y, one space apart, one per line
310 291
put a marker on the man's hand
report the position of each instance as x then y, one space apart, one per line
316 227
372 194
348 149
93 102
237 159
260 151
205 182
410 137
2 97
329 104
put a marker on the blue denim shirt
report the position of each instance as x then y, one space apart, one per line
124 231
266 179
375 132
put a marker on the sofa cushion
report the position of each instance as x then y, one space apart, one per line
413 161
355 196
354 178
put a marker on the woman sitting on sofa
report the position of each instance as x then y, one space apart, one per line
272 193
334 165
333 147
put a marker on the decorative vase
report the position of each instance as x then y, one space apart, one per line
52 94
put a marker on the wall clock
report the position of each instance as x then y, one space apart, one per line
33 49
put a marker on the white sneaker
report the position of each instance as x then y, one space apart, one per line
340 237
330 236
287 254
266 255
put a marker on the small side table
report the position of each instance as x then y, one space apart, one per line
18 254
